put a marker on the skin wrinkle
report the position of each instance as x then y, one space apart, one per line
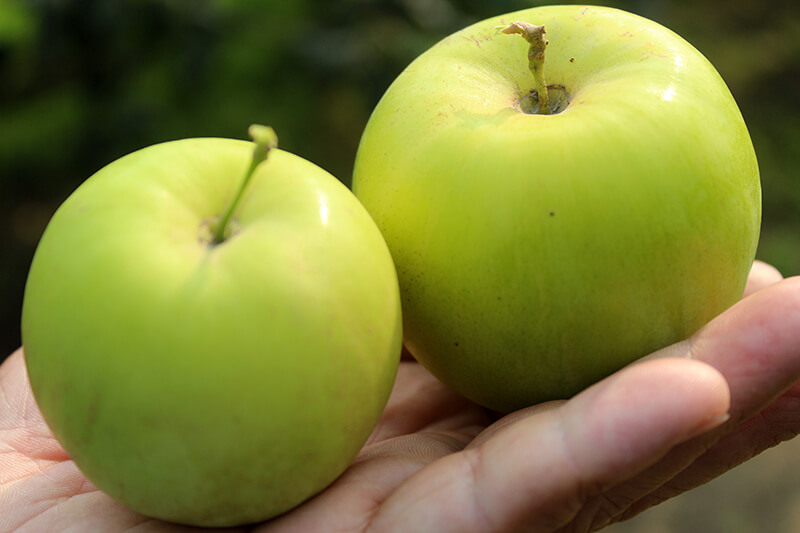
448 441
473 460
758 356
30 436
603 509
653 479
419 496
372 495
5 403
585 490
32 440
433 407
741 441
606 510
618 495
589 500
92 506
693 451
37 514
751 429
16 449
577 492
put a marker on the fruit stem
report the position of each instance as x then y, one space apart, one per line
265 140
535 37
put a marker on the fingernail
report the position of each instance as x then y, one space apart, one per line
711 423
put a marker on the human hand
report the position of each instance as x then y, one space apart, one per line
438 463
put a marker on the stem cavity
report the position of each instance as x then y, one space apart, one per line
265 140
535 35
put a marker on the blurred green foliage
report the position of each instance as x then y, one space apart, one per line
83 82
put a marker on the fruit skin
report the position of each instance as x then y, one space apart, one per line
539 253
211 385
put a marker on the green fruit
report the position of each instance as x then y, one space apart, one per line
211 383
538 253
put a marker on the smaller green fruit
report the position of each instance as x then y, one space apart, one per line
211 351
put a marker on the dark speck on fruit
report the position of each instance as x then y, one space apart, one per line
552 213
571 59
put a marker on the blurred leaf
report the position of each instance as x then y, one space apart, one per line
18 24
42 131
780 246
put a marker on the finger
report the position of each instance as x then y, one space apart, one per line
539 471
761 275
777 423
756 346
513 418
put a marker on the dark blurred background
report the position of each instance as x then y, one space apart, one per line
83 82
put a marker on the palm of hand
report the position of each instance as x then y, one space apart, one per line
437 462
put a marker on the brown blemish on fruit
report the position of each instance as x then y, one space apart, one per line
582 14
475 39
648 55
205 232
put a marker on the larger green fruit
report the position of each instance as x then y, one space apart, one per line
539 253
